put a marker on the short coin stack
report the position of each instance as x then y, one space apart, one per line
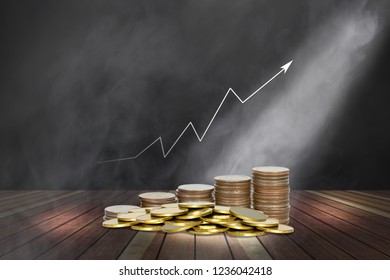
271 191
112 212
195 192
233 190
156 199
201 218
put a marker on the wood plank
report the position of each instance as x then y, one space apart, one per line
153 250
365 193
45 210
318 247
381 192
31 243
177 246
212 247
138 245
374 228
346 242
24 224
281 247
18 194
24 199
39 202
369 238
352 198
110 245
244 248
87 234
346 208
8 193
353 204
369 198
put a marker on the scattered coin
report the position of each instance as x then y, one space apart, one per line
168 212
145 227
114 223
248 214
129 217
281 229
245 233
150 220
196 204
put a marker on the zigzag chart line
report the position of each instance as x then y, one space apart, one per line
190 124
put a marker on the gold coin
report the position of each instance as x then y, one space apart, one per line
140 210
216 219
270 222
207 226
168 212
221 209
114 223
248 214
144 227
129 217
170 205
150 220
196 204
245 233
173 229
236 225
116 209
207 232
195 214
176 222
222 217
282 229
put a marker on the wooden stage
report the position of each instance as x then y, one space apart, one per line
67 225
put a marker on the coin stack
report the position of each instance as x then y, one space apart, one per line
111 212
271 191
233 190
156 199
195 192
201 218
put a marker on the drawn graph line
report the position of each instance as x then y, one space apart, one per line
191 125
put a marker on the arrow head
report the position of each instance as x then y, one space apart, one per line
286 66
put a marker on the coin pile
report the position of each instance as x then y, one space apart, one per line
271 191
200 218
195 192
156 199
233 190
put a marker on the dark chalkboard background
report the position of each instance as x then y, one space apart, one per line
85 81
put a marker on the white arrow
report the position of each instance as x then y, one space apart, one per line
200 138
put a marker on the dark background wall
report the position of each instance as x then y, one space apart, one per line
86 81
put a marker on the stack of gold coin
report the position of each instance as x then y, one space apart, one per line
111 212
195 192
233 190
156 199
271 191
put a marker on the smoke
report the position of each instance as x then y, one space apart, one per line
302 104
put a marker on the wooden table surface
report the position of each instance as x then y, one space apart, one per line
59 224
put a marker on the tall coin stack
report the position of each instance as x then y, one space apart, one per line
195 192
271 192
156 199
233 190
